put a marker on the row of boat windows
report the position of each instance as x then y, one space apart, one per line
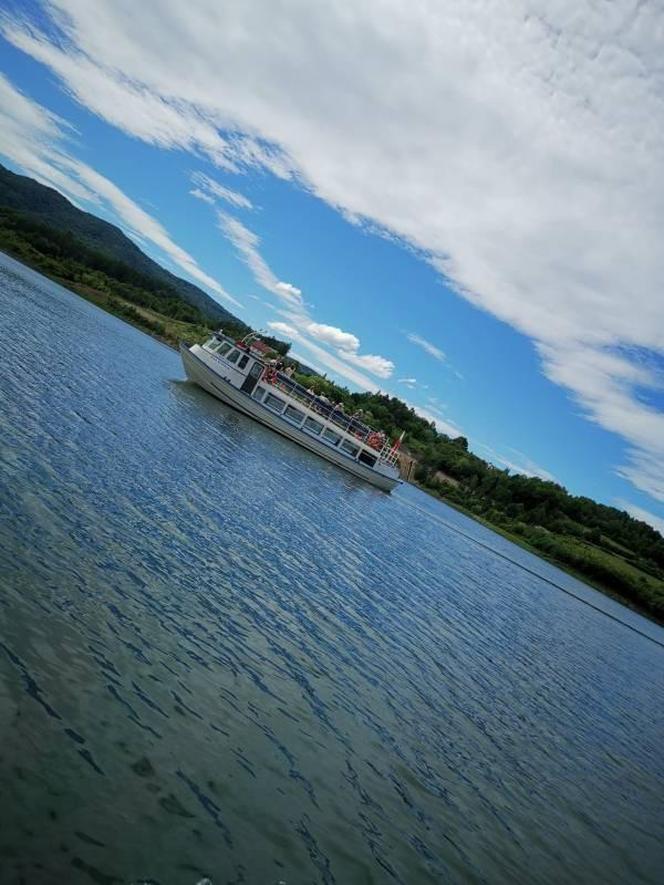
276 404
235 356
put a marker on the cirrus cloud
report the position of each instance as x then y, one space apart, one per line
37 141
346 345
426 346
209 190
640 513
283 329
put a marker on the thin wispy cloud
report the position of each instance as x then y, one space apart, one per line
136 107
247 244
210 191
441 422
426 346
300 324
517 462
525 166
201 195
640 513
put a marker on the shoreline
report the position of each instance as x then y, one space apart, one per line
101 300
539 554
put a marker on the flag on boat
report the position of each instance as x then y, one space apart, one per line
396 445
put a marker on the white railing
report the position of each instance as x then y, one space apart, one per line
385 451
389 454
314 404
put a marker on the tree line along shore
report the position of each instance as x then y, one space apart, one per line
603 545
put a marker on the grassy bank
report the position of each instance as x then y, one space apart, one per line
598 563
620 590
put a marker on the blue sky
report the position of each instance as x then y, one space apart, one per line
447 204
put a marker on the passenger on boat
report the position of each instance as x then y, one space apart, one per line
322 404
289 371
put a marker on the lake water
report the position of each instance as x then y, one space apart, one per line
221 656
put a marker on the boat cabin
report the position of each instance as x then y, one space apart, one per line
246 368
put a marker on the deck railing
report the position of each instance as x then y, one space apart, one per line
379 445
325 410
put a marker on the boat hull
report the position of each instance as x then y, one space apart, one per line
202 375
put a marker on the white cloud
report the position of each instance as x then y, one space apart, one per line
323 357
518 146
247 244
136 219
30 136
604 385
288 290
517 462
645 471
409 382
426 346
201 195
283 329
346 344
441 423
208 189
137 108
35 140
657 522
379 366
334 336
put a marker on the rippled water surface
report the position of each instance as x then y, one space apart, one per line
220 656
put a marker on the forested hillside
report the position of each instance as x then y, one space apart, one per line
45 205
143 299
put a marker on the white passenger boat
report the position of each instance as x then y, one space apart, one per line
237 373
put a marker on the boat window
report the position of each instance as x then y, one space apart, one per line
294 414
366 458
331 436
274 403
243 362
313 426
258 392
233 356
349 448
224 347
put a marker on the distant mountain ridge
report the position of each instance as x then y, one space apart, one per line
48 206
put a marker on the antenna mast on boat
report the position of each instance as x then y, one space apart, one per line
249 337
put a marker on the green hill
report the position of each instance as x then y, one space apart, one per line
46 205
